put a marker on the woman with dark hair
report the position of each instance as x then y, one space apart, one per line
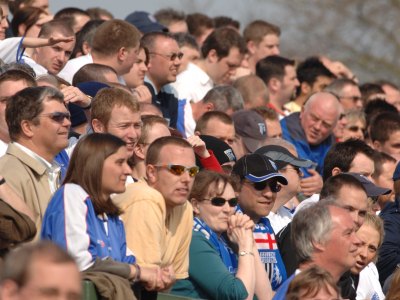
82 218
215 270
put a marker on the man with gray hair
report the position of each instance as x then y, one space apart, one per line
348 93
316 233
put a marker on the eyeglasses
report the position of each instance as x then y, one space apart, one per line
260 186
170 57
219 201
58 116
179 170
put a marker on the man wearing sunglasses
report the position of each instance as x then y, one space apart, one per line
260 183
38 124
158 218
164 61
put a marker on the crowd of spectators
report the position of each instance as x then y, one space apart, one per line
182 154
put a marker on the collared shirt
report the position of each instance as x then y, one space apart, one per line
53 169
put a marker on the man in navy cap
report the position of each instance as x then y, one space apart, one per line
260 183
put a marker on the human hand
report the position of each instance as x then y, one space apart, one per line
311 185
240 230
199 146
143 94
74 95
62 39
168 276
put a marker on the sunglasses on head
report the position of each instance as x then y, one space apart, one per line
58 116
179 169
260 186
219 201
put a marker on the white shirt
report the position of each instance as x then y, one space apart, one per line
3 148
307 202
280 219
192 85
73 66
368 285
53 169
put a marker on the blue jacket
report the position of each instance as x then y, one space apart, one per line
294 133
71 222
389 253
281 292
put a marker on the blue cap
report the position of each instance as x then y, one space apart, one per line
145 22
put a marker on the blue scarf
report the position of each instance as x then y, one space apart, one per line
228 257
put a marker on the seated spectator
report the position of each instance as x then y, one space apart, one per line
313 283
261 182
394 288
285 157
82 219
392 93
189 48
172 19
371 91
84 38
253 90
157 216
354 126
318 230
370 235
348 93
385 166
389 255
98 13
274 129
221 21
233 275
250 132
135 78
200 26
311 130
217 124
74 17
95 72
385 134
40 271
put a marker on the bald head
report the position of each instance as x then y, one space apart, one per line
319 117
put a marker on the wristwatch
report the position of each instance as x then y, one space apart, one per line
243 253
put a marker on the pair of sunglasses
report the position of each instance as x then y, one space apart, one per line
219 201
58 116
260 186
179 169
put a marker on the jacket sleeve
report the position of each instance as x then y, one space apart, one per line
211 163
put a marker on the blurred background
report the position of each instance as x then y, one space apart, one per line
360 33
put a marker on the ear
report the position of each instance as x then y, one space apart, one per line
251 47
98 126
305 88
151 174
209 106
197 133
9 290
86 48
318 246
274 84
27 128
138 151
195 205
336 171
122 54
377 145
212 56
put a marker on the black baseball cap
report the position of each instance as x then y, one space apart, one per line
282 157
257 168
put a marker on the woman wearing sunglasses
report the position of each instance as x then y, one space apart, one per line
215 270
82 218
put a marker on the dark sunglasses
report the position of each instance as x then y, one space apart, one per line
219 201
355 128
260 186
58 116
179 169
